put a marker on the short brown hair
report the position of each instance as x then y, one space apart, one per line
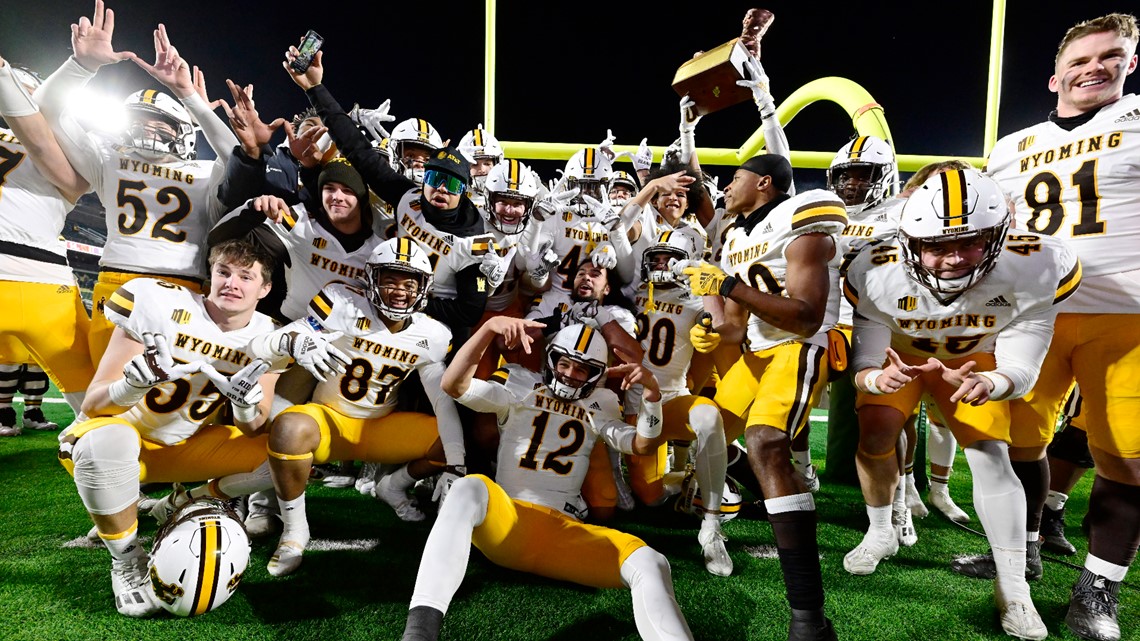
244 254
1122 24
928 170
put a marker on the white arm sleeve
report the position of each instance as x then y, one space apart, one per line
627 266
52 97
491 398
776 142
869 342
218 134
446 414
267 347
1021 348
616 434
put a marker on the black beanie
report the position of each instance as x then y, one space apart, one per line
775 166
339 170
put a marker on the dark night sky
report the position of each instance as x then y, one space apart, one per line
567 74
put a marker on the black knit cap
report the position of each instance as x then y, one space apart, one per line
777 167
451 161
339 170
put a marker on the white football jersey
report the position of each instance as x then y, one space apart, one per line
664 333
1033 274
504 295
717 233
172 412
32 214
317 259
758 259
865 225
654 224
449 254
381 359
575 238
1081 185
556 299
545 442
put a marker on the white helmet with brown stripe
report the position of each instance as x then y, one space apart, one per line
576 360
960 206
863 173
159 128
387 271
200 555
413 133
511 180
590 171
480 145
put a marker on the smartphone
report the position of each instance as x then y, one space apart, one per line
310 44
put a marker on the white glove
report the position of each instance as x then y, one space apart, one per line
607 145
595 208
689 116
243 389
710 186
672 153
372 119
643 159
443 483
759 84
604 255
315 352
554 204
155 365
580 312
541 263
495 268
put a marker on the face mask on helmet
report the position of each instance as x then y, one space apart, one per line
682 243
399 277
413 139
510 184
479 146
200 555
159 128
583 354
966 208
590 172
863 173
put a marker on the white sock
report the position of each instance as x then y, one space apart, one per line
880 517
1110 571
295 520
124 545
401 479
1056 500
802 459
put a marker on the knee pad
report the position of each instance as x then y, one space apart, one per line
107 468
1071 444
706 421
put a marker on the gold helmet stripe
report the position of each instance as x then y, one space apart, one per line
210 536
954 198
514 179
584 339
149 96
857 148
404 249
423 129
588 162
478 137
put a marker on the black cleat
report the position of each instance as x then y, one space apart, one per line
1053 533
1092 608
810 625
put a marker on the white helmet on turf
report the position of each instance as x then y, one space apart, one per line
402 255
872 156
956 205
199 557
159 128
413 132
586 347
510 179
689 500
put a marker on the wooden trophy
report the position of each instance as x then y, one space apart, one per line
709 78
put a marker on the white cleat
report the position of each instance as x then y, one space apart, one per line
286 559
130 581
945 505
712 542
1019 619
164 507
811 479
366 480
875 547
914 501
398 500
904 527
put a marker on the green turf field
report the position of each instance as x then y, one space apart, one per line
55 586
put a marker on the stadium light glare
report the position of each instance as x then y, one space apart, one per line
101 112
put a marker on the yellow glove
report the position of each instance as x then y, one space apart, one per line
707 280
702 335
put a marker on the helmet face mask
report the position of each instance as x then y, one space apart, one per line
960 212
590 172
399 276
864 172
510 183
200 555
159 128
405 145
576 360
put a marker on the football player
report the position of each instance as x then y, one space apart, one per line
963 314
778 282
361 344
32 383
160 202
176 359
45 315
1074 177
412 143
483 151
665 327
530 517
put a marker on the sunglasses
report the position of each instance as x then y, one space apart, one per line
447 182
